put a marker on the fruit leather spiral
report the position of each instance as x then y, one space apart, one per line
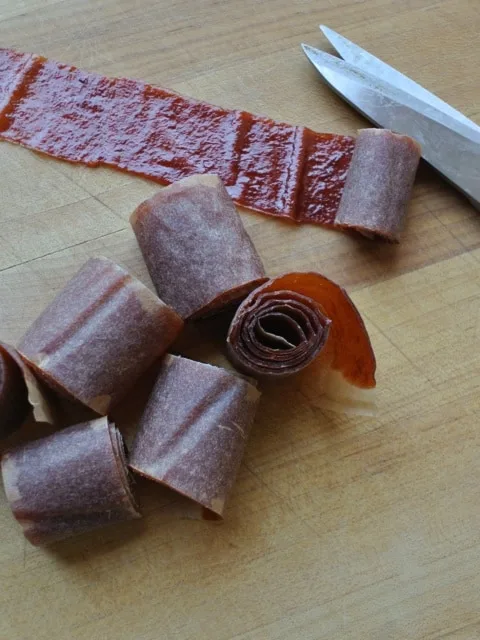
305 324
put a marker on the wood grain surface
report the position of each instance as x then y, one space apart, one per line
339 528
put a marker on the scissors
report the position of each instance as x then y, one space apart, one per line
450 141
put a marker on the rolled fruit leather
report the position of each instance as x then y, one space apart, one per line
379 184
20 393
70 482
194 429
305 324
100 333
197 251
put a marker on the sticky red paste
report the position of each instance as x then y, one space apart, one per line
271 167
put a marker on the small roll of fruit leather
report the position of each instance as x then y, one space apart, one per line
193 432
20 393
70 482
379 183
305 324
197 251
100 333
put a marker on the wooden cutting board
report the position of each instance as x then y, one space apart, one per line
339 527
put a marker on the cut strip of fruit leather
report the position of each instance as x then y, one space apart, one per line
197 251
327 162
305 324
20 393
70 482
379 183
192 434
275 168
272 167
14 68
100 333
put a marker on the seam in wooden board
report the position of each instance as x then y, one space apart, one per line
91 195
52 253
471 298
414 269
452 554
400 350
442 224
435 215
49 210
54 163
454 631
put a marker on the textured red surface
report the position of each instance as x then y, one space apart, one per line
275 168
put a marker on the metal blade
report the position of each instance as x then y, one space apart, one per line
448 145
365 61
323 61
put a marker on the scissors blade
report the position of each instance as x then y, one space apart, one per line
324 62
365 61
448 145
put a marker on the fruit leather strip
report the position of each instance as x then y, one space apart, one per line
379 183
14 68
327 162
275 168
70 482
14 405
306 324
192 435
196 249
292 172
84 117
100 333
21 393
270 169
